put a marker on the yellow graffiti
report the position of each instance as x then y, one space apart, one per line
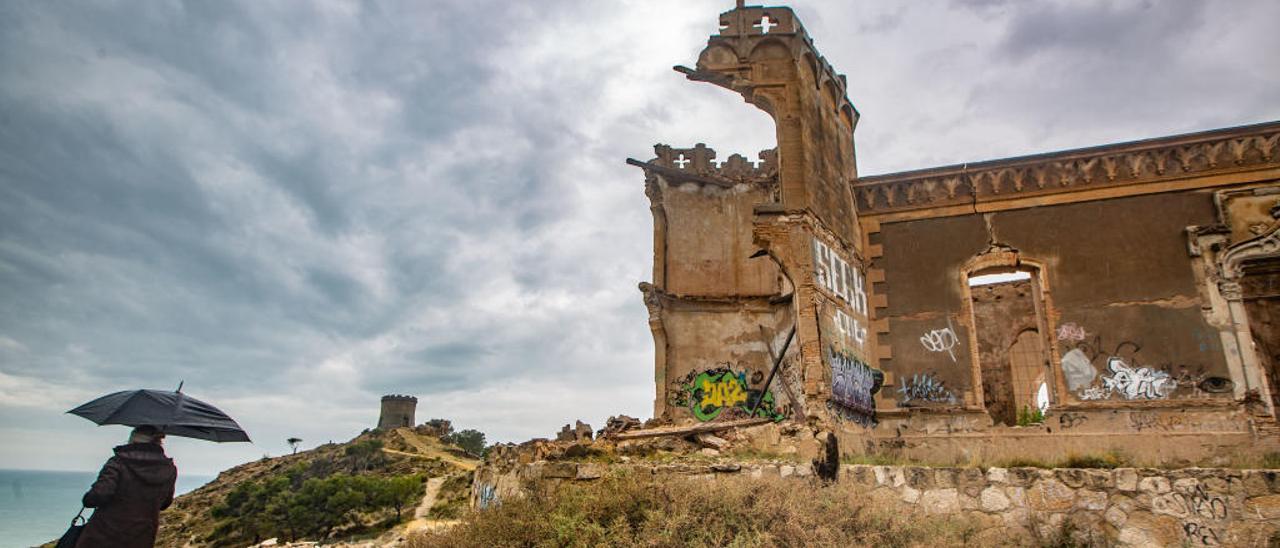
726 392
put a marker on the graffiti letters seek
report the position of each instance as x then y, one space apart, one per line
845 281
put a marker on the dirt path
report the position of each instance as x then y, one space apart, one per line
429 500
414 441
420 519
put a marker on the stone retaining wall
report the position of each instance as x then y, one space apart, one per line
1128 506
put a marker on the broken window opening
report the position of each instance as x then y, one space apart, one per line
1008 320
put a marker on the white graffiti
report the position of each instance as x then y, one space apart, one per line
941 340
1071 332
850 328
1131 384
844 280
1078 371
838 276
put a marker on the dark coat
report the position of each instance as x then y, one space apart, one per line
132 489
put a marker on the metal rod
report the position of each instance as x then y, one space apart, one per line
777 361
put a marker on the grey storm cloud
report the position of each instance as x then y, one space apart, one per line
297 207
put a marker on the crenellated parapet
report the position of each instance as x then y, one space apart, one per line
698 165
1149 162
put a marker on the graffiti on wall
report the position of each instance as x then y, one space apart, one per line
1071 332
941 340
1120 376
721 391
486 496
925 389
845 281
853 383
1078 370
1202 513
1134 384
839 277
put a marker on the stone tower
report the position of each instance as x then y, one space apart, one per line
397 411
757 263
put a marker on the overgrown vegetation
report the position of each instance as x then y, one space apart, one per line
471 441
1271 460
741 512
1028 416
452 500
292 505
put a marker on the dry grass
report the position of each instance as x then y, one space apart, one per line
740 512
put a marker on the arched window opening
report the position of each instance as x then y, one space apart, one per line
1013 356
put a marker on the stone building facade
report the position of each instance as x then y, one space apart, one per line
1127 292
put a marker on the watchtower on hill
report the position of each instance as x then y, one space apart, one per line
397 411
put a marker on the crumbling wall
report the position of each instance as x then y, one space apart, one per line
710 305
716 312
1126 320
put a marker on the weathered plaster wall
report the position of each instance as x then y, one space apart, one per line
1125 305
1128 506
706 341
708 241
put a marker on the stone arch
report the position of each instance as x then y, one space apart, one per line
717 56
1000 259
770 49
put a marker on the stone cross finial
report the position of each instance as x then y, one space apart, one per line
765 24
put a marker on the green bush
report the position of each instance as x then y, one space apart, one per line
1029 416
290 507
471 441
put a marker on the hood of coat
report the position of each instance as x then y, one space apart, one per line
148 462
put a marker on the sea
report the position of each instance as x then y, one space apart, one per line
37 506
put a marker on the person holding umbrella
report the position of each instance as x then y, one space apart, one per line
138 482
131 490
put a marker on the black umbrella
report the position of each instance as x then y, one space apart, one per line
174 413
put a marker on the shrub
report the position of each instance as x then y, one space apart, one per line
732 511
1029 416
287 506
1110 459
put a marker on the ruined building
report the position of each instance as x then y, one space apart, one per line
397 411
1123 296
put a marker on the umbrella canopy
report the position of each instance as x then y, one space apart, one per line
175 413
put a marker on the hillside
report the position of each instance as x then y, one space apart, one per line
370 487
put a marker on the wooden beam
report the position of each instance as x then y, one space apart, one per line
694 429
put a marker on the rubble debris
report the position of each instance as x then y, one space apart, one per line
618 424
581 431
712 441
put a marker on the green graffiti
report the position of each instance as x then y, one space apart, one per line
711 394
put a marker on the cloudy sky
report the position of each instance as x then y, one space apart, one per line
298 207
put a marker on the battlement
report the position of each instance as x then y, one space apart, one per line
698 165
400 397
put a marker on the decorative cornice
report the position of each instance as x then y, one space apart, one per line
1223 151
